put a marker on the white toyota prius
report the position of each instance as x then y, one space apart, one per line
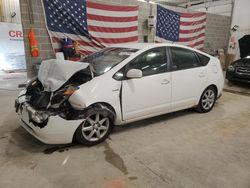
83 100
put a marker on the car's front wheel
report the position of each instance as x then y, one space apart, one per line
207 100
95 128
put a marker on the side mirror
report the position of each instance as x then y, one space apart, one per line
134 73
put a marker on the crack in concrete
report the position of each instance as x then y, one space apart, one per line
152 171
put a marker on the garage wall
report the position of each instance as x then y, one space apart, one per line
216 38
40 31
217 32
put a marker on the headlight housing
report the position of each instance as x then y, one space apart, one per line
231 68
27 83
70 90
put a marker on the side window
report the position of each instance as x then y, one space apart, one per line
203 59
151 62
183 59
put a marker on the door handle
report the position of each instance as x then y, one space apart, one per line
116 89
202 74
165 81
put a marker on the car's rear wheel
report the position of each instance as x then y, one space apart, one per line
207 100
95 128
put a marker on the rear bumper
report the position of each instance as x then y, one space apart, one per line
56 131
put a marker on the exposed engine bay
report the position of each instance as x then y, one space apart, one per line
43 103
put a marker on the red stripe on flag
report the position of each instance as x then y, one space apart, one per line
91 44
182 31
56 39
81 42
112 30
110 7
192 15
196 43
111 19
117 40
85 52
193 23
191 38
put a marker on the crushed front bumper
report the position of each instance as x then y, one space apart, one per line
56 131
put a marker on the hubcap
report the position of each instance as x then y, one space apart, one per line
95 127
208 99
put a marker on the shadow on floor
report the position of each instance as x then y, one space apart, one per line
237 87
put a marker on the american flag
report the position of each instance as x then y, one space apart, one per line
93 25
181 28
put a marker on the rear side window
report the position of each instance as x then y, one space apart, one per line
203 59
183 59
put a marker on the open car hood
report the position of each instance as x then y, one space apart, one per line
244 44
54 73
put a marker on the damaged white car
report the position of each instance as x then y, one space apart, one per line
83 100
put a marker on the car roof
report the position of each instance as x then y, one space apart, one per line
141 46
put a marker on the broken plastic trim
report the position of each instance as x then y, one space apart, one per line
38 118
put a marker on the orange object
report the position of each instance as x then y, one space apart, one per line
33 44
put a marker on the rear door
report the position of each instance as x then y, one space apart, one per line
189 77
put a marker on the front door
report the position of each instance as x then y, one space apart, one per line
151 94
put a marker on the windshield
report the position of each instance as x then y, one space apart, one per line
107 58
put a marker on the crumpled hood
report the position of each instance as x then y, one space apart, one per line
54 73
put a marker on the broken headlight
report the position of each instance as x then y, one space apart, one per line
70 90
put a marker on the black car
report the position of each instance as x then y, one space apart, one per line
240 70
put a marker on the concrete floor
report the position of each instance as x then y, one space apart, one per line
10 81
182 149
237 87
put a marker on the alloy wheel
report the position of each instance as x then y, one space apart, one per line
95 127
208 99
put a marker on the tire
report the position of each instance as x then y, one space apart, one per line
95 128
207 100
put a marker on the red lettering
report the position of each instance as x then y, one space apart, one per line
12 33
19 34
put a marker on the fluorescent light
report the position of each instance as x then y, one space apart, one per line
145 1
